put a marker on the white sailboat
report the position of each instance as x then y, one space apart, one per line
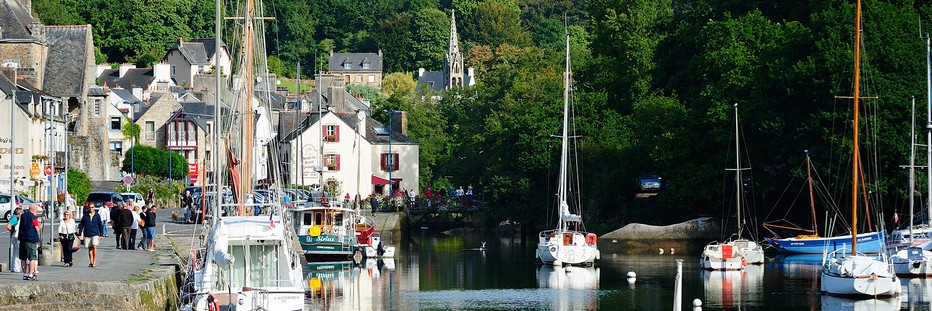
733 254
857 275
912 260
566 244
247 261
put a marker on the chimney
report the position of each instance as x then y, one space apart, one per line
101 68
337 99
420 72
125 67
137 92
400 122
162 72
380 52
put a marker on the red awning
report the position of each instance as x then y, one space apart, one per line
376 180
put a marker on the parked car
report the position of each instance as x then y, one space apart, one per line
209 199
650 182
137 198
101 197
6 208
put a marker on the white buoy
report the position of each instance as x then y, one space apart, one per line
557 263
671 251
631 281
697 302
631 274
661 251
614 241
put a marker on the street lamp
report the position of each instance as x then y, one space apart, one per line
391 156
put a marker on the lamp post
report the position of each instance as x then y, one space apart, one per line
12 152
132 160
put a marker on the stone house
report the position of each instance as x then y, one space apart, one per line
150 80
357 68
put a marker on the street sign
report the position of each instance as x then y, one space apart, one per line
192 169
35 170
48 170
128 179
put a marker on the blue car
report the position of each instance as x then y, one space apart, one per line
650 182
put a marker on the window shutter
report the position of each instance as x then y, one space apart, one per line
382 160
337 165
336 135
395 162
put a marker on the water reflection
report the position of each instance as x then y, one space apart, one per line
567 277
832 303
730 289
345 285
917 293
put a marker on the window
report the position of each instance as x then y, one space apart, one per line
96 107
116 146
371 78
365 65
359 78
115 123
346 65
210 128
389 162
207 155
150 130
332 161
173 70
332 133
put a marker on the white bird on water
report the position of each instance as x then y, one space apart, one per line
671 251
661 251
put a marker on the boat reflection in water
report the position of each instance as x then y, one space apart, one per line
569 277
917 292
832 303
733 288
345 285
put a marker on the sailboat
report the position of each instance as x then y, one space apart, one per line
247 261
912 260
857 274
810 242
566 244
733 254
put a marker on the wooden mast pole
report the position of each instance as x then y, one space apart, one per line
815 223
248 111
857 107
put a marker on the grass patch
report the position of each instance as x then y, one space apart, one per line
139 278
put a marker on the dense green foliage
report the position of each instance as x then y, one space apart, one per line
655 81
78 184
145 160
167 195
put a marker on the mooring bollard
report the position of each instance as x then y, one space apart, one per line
678 291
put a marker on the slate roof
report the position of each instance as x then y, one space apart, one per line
201 112
125 94
275 100
355 62
287 125
396 136
67 62
96 91
13 19
352 103
136 77
209 45
23 97
432 79
194 52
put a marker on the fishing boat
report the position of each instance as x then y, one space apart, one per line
327 231
566 244
734 254
856 274
247 261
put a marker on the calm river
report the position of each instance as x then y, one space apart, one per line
435 272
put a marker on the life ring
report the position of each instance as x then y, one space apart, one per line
212 303
744 262
313 231
591 239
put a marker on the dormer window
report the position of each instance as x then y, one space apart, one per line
365 65
346 63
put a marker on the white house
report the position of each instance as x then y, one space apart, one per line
195 57
155 79
329 145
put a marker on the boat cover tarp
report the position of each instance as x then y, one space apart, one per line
861 266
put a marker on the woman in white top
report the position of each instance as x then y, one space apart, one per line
67 230
104 213
134 228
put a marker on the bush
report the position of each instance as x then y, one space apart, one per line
166 194
78 184
145 160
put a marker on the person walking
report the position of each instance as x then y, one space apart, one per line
67 230
126 222
116 222
104 214
134 227
143 243
187 202
150 198
90 230
29 227
15 264
149 228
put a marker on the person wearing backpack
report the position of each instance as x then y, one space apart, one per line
15 264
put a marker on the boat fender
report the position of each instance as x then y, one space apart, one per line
313 231
591 239
744 262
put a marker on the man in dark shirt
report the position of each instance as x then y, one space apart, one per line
126 221
149 228
29 228
116 222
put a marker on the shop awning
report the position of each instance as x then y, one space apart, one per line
376 180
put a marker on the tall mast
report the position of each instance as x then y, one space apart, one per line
912 170
561 190
815 223
738 174
248 131
929 127
216 126
857 149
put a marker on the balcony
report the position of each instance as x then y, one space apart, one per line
150 135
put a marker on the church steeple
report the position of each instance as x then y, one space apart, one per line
453 62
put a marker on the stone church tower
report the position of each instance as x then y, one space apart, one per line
453 62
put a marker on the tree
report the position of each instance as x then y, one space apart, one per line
399 83
431 32
145 160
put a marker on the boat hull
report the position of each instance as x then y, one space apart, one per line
868 242
912 262
327 246
554 254
752 252
863 286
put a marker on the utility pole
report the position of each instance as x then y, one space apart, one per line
12 149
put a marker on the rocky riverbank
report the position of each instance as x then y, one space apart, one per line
648 238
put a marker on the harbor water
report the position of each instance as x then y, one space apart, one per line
439 272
